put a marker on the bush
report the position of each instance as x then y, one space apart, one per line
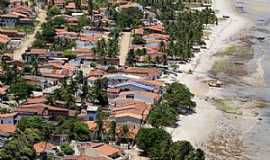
67 149
69 54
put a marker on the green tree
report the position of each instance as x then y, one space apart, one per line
155 142
162 115
84 21
66 149
20 89
69 54
54 10
80 131
112 130
178 95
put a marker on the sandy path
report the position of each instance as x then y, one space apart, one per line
124 47
197 127
30 38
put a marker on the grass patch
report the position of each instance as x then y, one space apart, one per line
227 67
227 106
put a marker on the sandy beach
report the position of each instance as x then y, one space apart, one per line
198 127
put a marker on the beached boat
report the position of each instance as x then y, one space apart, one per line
214 83
260 38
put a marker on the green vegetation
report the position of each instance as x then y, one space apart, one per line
227 106
4 4
184 26
157 144
178 96
54 10
78 86
17 85
177 99
138 39
162 115
29 131
69 54
67 150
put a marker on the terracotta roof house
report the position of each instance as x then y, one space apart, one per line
84 157
9 20
44 147
134 114
143 96
41 109
100 150
70 5
35 100
98 73
92 125
4 39
9 118
59 3
13 34
150 73
7 128
6 132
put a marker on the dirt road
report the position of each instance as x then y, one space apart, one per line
124 47
30 38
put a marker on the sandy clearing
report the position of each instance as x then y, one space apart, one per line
124 47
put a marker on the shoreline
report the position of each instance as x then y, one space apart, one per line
197 128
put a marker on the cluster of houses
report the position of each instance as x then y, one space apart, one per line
155 37
132 91
17 14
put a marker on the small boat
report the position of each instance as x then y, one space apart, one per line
215 83
260 38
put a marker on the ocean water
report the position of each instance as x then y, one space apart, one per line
258 139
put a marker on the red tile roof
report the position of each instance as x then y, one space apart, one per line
83 157
71 5
35 100
7 128
38 51
107 149
8 115
4 39
43 147
92 125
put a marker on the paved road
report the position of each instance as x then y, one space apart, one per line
30 38
124 47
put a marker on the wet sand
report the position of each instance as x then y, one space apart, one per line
223 135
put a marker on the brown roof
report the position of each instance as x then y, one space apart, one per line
4 39
92 125
38 51
7 128
138 110
141 70
157 27
90 38
113 90
71 5
84 157
3 90
143 93
107 149
38 108
7 115
96 73
43 146
35 100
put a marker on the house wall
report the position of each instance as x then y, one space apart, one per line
84 44
8 21
8 120
128 120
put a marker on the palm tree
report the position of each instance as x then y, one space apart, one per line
112 130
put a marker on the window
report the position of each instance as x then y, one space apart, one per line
131 96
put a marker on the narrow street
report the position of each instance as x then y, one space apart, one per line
124 47
30 38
